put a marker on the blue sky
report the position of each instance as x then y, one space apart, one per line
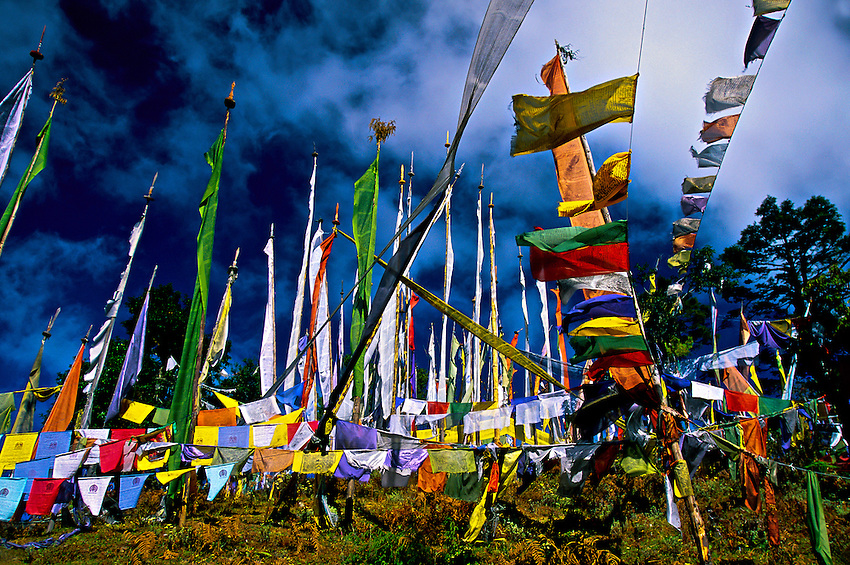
145 88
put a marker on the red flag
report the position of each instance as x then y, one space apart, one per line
582 262
414 300
741 402
42 496
622 360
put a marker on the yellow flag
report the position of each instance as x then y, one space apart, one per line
291 418
226 401
607 326
545 122
610 186
152 460
136 412
452 460
320 464
166 477
680 260
205 435
17 448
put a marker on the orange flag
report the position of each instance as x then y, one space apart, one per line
63 410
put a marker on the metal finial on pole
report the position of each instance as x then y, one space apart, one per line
481 185
86 338
149 196
36 53
46 333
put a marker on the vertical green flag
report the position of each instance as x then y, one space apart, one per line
35 167
364 224
182 404
816 521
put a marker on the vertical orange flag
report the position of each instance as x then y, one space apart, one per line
63 410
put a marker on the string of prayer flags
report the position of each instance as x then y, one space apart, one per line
724 93
610 186
711 156
761 35
545 122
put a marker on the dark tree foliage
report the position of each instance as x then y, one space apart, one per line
677 322
785 250
792 261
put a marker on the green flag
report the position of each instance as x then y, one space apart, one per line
592 347
35 167
561 240
182 404
816 521
364 223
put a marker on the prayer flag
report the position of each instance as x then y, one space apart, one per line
218 417
165 477
685 226
610 186
17 448
545 122
721 128
132 365
622 360
7 405
741 402
607 326
706 392
592 347
63 410
268 350
66 465
560 240
711 156
319 464
272 460
761 35
692 203
217 475
23 421
610 282
680 260
11 115
36 165
42 496
599 306
591 260
696 185
226 401
365 220
726 93
686 241
92 491
136 412
130 487
182 400
761 7
234 436
261 410
11 493
816 521
452 460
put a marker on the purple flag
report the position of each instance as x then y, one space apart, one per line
601 306
132 362
761 35
692 203
352 436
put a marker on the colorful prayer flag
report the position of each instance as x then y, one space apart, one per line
545 122
711 156
726 93
761 35
695 185
761 7
592 347
610 186
721 128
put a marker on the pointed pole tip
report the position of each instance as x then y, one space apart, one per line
229 102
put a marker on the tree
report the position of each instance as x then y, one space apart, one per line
793 261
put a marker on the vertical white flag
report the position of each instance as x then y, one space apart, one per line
268 354
11 115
